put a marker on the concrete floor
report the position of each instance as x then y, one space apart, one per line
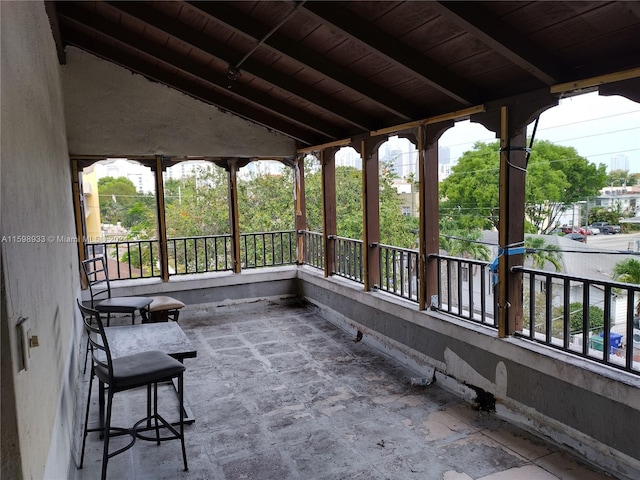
280 393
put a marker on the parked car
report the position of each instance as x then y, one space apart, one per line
606 228
578 237
588 230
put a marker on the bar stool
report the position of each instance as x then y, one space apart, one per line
125 373
162 309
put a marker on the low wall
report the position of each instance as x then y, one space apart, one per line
588 407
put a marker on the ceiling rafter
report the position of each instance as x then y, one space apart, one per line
135 41
279 43
394 51
221 51
180 83
503 39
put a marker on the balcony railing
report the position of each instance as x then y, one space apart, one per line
349 259
188 255
465 289
130 259
465 286
199 254
591 318
313 249
399 272
268 249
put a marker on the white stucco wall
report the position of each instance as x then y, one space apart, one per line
111 111
40 274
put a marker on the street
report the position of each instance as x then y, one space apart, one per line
618 242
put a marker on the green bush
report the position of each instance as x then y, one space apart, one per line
576 320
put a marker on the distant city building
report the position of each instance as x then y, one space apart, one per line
139 175
619 162
444 163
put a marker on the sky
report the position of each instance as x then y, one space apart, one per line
598 127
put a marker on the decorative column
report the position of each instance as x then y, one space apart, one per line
300 207
158 168
234 219
510 118
329 224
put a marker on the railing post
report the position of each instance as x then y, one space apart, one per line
300 208
510 119
329 223
162 220
79 217
234 220
429 230
371 210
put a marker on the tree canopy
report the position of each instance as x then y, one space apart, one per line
556 178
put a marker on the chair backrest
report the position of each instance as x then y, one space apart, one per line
95 270
98 343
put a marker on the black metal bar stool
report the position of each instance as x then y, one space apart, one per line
125 373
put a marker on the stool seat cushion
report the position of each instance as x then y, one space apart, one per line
162 303
140 369
122 304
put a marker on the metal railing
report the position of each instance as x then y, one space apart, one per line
399 272
465 289
202 254
349 259
268 249
129 259
189 255
591 318
313 249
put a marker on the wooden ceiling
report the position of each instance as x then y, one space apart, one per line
323 71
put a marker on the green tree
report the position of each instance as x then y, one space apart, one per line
628 271
541 253
556 177
621 177
265 202
465 244
197 205
116 195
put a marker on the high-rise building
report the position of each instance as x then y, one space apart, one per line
619 162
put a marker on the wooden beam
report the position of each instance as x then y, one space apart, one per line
251 67
162 220
456 115
79 219
394 51
503 39
595 81
329 222
338 143
242 24
234 217
503 194
300 207
370 212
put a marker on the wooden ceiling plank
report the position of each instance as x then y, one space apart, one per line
395 52
221 51
248 27
158 74
163 54
503 39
